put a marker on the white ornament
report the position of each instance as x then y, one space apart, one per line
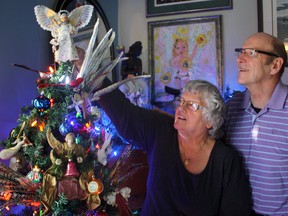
111 197
104 151
10 152
63 26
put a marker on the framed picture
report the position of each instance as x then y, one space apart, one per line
267 17
82 38
182 50
170 7
273 19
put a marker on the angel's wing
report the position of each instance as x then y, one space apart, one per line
45 17
53 142
80 16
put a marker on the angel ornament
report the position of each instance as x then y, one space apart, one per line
63 26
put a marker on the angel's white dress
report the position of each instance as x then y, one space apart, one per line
66 50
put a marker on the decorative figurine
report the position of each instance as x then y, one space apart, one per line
133 65
60 156
63 26
8 153
104 150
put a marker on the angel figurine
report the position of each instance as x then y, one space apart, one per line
63 26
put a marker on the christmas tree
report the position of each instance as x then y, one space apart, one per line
66 157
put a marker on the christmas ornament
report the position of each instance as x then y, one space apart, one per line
8 153
35 175
42 104
63 25
95 111
120 199
65 128
95 186
77 101
71 169
104 151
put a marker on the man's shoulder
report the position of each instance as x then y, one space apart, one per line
236 97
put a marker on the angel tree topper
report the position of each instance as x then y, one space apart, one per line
63 26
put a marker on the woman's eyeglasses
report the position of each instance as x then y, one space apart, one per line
191 105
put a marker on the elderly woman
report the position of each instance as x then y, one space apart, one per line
191 172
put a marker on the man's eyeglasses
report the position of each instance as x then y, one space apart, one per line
191 105
252 52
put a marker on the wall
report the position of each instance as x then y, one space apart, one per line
112 15
238 23
22 42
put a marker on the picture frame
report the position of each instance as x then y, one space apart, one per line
172 7
267 19
202 38
272 19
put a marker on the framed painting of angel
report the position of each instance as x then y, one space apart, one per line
182 50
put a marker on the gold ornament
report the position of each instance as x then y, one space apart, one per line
95 186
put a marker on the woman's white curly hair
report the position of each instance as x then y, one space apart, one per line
214 103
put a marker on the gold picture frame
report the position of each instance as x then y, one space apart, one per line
203 59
